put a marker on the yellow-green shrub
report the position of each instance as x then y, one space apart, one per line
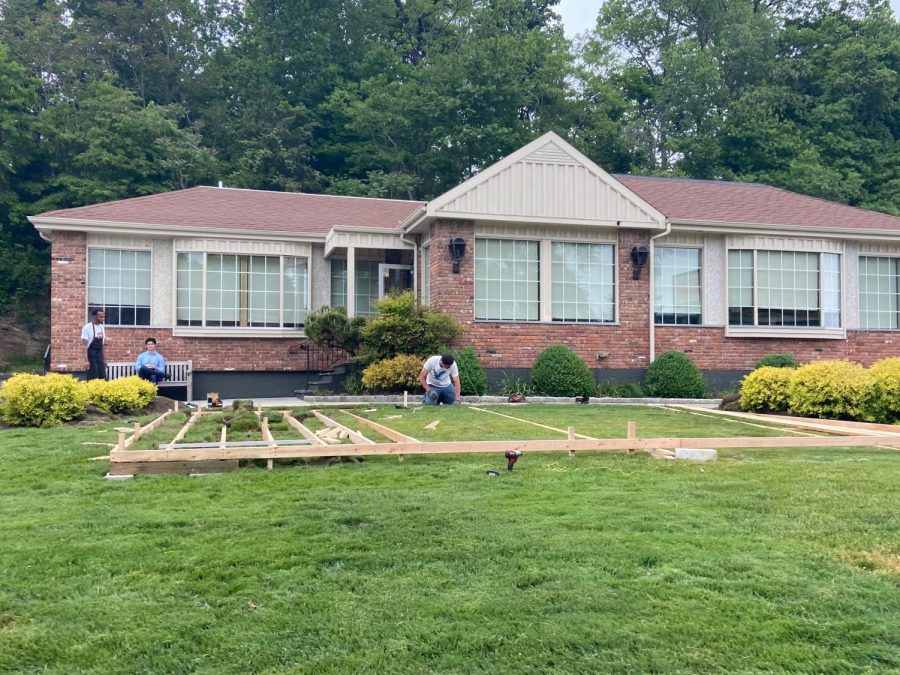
887 388
766 389
122 395
41 400
397 374
832 389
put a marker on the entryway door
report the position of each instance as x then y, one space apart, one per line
394 278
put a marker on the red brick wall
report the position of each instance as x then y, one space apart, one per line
711 350
68 311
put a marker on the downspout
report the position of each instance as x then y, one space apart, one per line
664 233
415 245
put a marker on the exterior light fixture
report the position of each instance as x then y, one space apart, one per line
639 256
457 249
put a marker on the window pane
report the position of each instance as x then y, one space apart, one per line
676 273
507 280
119 283
338 282
879 287
295 292
581 282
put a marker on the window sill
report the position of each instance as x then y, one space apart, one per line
190 331
786 332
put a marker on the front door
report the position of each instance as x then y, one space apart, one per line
394 278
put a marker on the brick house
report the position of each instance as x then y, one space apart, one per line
550 249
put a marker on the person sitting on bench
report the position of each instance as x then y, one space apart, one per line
150 364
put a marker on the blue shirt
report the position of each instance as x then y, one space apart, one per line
148 359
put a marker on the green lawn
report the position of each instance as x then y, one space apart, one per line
766 561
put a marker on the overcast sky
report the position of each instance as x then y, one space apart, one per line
580 15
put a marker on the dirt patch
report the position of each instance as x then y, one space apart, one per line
881 560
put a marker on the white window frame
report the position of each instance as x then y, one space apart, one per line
863 324
238 331
799 332
700 270
121 249
545 276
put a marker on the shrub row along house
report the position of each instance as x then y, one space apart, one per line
543 247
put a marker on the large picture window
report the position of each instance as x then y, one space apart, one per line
507 280
219 290
879 290
784 288
119 284
583 282
676 276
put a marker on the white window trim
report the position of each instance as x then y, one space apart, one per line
890 256
545 283
702 285
793 332
236 332
136 249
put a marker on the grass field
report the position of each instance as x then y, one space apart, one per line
766 561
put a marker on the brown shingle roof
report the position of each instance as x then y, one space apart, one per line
719 201
209 207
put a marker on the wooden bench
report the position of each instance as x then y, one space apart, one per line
181 374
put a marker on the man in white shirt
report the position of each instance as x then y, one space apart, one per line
440 379
93 335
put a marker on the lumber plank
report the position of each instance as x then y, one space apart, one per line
555 445
140 431
354 436
387 432
183 431
306 432
537 424
147 468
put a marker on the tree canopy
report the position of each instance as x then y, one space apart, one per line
105 99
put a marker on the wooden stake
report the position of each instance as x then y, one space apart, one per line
136 434
405 398
571 438
632 434
121 444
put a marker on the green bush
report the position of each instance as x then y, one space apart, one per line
766 389
558 371
673 375
400 373
330 327
620 390
242 404
274 417
403 326
776 361
833 390
120 396
472 378
41 400
887 389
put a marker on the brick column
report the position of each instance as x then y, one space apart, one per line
68 301
450 292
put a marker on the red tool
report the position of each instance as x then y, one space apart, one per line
511 457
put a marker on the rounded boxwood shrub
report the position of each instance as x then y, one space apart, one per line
777 361
558 371
766 389
41 400
673 375
124 395
833 389
400 373
472 378
887 388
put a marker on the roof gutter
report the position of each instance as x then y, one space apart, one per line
665 232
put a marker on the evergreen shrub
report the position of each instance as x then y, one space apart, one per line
330 327
41 400
673 375
766 389
404 326
777 361
472 378
124 395
833 389
620 390
400 373
558 371
887 388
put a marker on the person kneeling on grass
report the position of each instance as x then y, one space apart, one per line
436 377
150 364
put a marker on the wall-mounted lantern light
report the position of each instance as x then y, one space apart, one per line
457 252
638 259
